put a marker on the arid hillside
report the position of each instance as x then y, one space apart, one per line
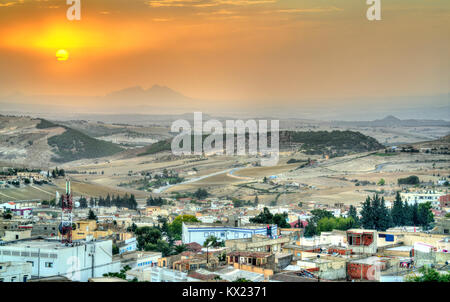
38 142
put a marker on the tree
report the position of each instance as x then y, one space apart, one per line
91 215
147 238
83 202
429 275
310 229
175 228
411 180
264 217
115 249
242 280
381 182
7 214
367 215
425 216
375 215
256 201
212 241
180 248
201 193
398 211
384 218
353 214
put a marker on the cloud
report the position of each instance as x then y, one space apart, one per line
205 3
11 3
309 10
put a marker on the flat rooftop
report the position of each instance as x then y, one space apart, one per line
218 225
38 243
403 248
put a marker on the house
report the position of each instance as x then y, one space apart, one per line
362 241
15 271
51 258
198 232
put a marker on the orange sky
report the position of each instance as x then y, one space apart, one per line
227 49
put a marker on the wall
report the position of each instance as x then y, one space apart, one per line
73 262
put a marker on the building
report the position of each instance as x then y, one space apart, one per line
444 201
128 245
158 274
429 196
362 241
139 259
257 243
85 228
51 258
16 235
15 271
370 268
198 232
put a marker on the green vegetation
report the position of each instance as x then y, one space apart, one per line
266 217
162 238
324 221
375 215
385 154
157 147
175 228
44 124
91 215
121 275
201 193
126 201
156 202
335 142
429 275
411 180
213 241
381 182
74 145
115 249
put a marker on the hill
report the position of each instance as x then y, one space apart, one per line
392 121
39 142
334 143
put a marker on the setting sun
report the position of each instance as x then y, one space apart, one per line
62 55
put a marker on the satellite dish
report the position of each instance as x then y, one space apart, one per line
66 225
77 204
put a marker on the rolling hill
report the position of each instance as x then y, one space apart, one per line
39 142
335 143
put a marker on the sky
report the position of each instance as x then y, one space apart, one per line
260 51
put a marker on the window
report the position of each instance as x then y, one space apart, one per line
49 264
25 278
13 279
32 262
2 280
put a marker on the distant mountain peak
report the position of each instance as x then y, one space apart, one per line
391 118
139 95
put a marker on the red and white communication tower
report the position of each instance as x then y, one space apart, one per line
65 228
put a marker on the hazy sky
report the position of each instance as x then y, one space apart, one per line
227 49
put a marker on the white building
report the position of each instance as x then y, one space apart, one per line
423 197
51 258
196 232
158 274
15 271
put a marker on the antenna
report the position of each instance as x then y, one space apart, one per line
65 228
